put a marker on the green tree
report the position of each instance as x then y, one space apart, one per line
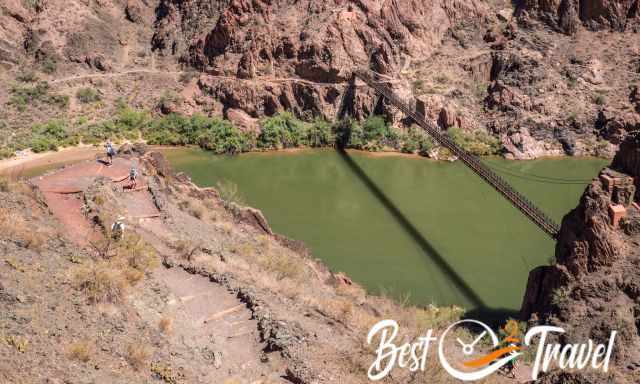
282 130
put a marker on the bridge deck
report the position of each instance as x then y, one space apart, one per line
498 183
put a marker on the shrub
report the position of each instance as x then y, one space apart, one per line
130 119
49 66
375 129
478 142
42 144
165 131
410 144
100 282
220 136
349 134
137 355
319 134
80 350
167 99
600 100
27 77
425 145
165 324
281 265
138 254
6 153
49 136
87 95
281 131
228 191
27 95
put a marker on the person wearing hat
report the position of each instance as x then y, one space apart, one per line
117 229
133 176
111 152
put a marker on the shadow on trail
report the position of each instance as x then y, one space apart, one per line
481 312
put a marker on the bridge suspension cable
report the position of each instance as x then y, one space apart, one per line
528 208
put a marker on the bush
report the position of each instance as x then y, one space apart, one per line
282 131
101 282
375 129
49 136
600 100
137 355
49 66
42 144
319 134
27 77
80 350
349 134
27 95
425 145
478 143
228 191
6 153
131 119
409 144
221 136
87 95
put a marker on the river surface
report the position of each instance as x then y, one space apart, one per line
425 231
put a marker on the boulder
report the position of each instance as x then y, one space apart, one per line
133 11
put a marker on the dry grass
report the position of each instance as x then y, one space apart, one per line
125 264
165 373
14 226
165 325
137 355
80 351
101 282
186 249
138 254
281 264
18 342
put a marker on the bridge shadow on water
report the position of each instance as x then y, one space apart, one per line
491 316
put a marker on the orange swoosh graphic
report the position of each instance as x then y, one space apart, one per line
490 357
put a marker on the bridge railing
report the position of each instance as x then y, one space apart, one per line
518 200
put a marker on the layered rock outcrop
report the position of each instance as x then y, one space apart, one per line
317 43
594 286
569 15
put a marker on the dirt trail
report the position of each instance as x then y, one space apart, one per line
257 80
63 189
212 330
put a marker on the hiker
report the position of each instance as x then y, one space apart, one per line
111 152
117 229
133 176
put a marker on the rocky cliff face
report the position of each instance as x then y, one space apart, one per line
594 287
300 56
490 66
567 15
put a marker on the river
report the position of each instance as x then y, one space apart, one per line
424 231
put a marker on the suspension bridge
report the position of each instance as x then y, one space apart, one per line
528 208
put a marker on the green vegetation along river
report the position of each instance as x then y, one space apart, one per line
429 231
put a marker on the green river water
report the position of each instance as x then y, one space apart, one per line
429 231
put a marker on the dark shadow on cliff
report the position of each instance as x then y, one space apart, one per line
420 240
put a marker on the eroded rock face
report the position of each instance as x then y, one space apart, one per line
311 41
594 287
568 15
